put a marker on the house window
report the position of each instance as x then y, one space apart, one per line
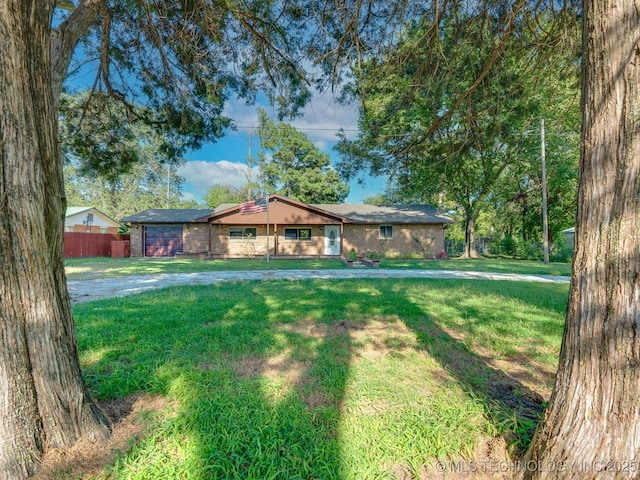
386 231
242 233
297 234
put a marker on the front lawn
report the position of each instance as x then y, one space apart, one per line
102 267
325 379
499 265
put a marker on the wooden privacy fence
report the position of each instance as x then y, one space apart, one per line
78 244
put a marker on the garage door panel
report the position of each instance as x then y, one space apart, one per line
163 241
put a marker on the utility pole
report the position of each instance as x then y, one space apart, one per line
249 161
168 182
545 221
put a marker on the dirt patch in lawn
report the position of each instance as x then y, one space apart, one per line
375 338
87 459
491 462
277 366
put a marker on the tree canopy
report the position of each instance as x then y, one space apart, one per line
116 162
219 194
436 122
294 167
181 60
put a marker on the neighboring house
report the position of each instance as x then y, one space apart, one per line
290 228
89 219
569 235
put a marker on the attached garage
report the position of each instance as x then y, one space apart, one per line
166 233
163 241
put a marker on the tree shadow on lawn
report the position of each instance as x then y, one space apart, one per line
514 385
257 394
259 389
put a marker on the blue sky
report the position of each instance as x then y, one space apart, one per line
224 162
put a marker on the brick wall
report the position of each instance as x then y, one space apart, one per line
196 238
314 246
363 238
136 241
223 245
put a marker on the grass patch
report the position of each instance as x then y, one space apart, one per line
498 265
103 267
321 379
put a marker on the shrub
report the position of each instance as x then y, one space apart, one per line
561 252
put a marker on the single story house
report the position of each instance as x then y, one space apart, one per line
89 220
289 228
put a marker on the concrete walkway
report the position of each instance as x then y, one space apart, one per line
89 290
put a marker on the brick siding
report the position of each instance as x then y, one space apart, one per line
424 240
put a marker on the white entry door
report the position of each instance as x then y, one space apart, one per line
332 239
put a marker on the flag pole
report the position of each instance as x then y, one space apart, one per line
267 198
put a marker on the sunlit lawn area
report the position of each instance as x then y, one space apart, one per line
88 268
483 265
96 267
323 379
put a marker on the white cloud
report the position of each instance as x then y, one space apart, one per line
324 116
201 175
321 118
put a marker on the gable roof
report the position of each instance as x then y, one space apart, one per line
387 213
164 215
76 210
348 213
73 211
306 213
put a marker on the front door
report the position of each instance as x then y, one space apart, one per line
332 239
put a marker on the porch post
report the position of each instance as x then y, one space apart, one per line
267 228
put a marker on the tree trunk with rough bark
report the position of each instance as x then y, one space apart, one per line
470 236
43 400
593 420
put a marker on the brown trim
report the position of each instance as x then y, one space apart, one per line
279 198
275 238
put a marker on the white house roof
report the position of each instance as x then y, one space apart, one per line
75 211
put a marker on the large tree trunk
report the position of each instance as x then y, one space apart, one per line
470 236
594 414
43 400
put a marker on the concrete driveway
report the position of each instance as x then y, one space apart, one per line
89 290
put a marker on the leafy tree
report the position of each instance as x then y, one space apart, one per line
143 187
219 194
116 163
518 197
594 409
379 199
293 166
415 129
181 61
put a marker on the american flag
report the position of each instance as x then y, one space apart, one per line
253 206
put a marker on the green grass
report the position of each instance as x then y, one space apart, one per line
102 267
317 379
499 265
